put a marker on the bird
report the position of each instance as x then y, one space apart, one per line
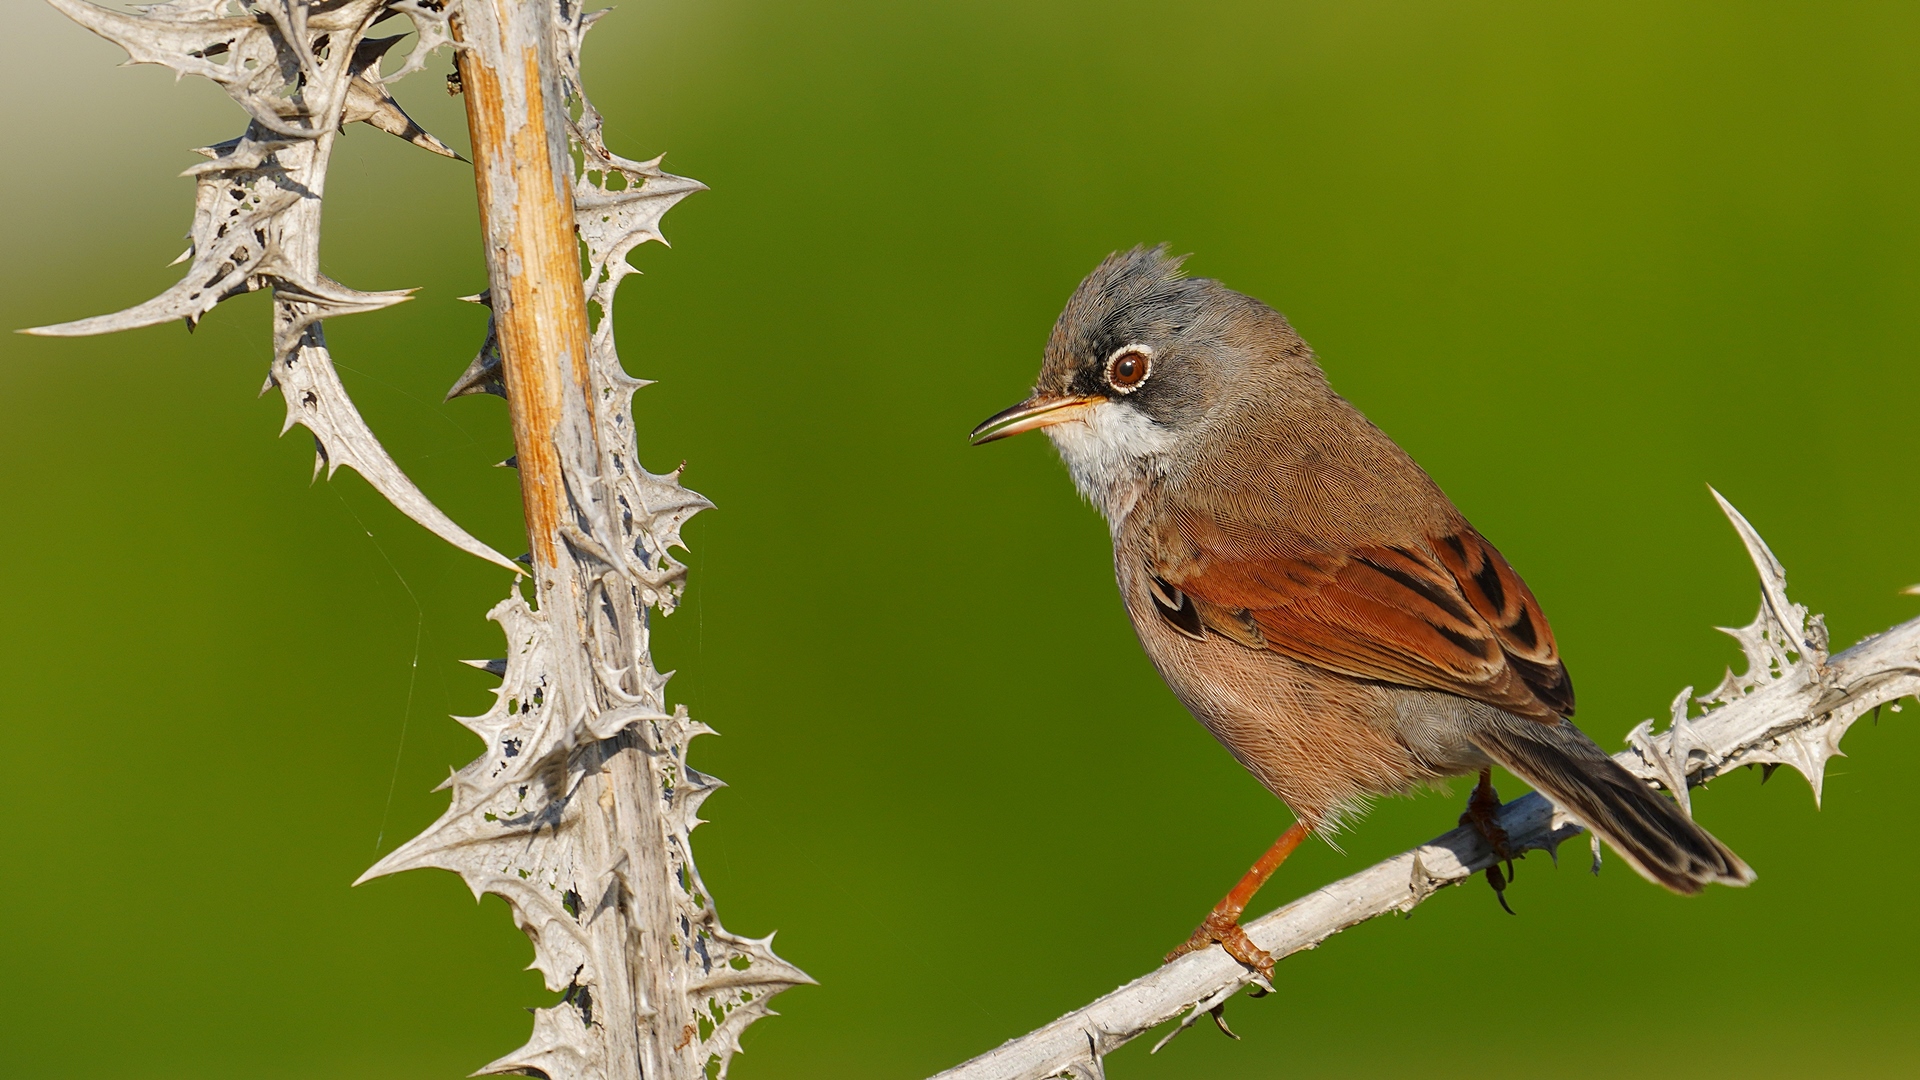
1307 591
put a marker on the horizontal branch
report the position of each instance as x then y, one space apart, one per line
1791 707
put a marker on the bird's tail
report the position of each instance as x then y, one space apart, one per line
1646 828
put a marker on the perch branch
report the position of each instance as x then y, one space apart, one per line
1791 707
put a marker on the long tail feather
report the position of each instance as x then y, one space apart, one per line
1646 828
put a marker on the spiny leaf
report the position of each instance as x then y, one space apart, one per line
300 73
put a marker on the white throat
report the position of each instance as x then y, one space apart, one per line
1112 451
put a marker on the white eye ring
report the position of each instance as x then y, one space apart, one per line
1145 353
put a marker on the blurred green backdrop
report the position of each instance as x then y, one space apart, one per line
1580 259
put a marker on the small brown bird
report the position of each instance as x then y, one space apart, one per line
1305 589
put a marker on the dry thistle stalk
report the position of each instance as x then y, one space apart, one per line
1791 707
579 812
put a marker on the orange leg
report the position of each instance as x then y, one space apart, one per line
1222 924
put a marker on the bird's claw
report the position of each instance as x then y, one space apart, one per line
1499 883
1225 930
1483 808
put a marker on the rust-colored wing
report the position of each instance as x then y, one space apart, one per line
1446 613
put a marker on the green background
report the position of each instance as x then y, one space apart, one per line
1580 259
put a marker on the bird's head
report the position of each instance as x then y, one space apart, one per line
1137 363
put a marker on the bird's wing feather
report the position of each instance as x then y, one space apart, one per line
1444 613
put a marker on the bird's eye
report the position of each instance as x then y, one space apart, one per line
1128 369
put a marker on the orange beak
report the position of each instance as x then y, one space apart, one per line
1034 413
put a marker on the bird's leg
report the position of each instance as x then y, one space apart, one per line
1222 924
1482 807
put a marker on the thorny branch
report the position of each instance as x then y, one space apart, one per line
257 197
579 811
1790 707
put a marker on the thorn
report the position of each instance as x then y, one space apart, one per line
481 377
526 558
366 89
511 463
1766 771
1220 1021
484 374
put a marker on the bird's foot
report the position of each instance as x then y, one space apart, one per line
1483 809
1224 930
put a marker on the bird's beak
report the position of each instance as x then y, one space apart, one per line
1037 411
